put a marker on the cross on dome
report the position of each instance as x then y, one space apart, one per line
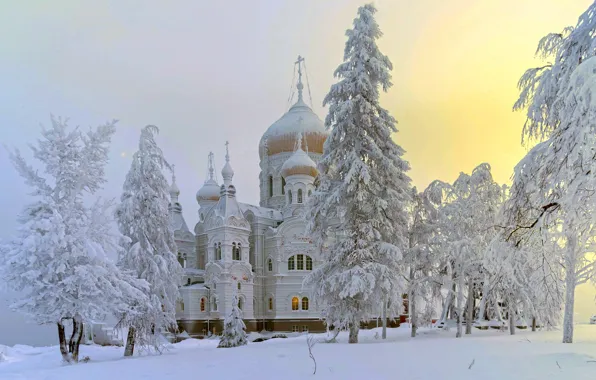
227 172
299 86
174 190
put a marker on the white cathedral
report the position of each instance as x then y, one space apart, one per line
260 253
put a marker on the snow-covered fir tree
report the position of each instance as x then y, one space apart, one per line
233 334
363 185
149 249
58 258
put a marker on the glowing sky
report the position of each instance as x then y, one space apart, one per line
210 71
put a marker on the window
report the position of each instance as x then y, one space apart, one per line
309 193
240 303
218 251
291 265
305 303
270 265
239 286
270 303
182 305
295 303
289 196
283 185
214 304
270 185
299 262
299 195
188 281
239 252
182 259
235 251
202 304
304 328
214 286
295 328
308 263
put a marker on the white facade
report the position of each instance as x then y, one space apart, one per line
260 252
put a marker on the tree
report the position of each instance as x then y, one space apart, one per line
542 88
233 334
554 185
363 187
149 249
58 259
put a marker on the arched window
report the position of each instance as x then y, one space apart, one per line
270 265
270 185
182 259
234 252
214 304
239 286
188 281
202 304
218 251
239 252
270 303
299 262
289 196
283 185
295 303
299 195
308 263
240 303
291 263
304 303
181 305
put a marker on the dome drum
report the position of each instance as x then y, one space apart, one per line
286 143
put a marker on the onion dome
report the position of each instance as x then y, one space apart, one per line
299 163
299 120
209 192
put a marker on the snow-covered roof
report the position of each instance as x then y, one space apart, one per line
177 220
208 192
299 163
194 271
262 212
282 135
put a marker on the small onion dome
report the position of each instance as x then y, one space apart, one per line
281 135
209 192
174 190
299 163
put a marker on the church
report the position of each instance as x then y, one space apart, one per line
261 253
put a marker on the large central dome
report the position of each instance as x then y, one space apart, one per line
283 134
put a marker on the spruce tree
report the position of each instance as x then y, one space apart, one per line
233 334
149 247
363 187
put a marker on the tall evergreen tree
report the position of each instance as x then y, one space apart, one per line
364 185
149 250
58 259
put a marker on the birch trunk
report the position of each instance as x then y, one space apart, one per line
384 313
470 311
130 342
570 284
511 321
63 345
460 304
482 305
77 336
354 328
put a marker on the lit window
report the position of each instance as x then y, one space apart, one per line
239 286
270 303
304 328
270 265
308 263
291 263
305 303
295 302
295 328
202 304
299 195
283 185
299 262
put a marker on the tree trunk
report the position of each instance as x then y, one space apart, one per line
412 305
354 328
130 342
511 320
384 313
71 342
63 346
482 305
570 284
534 324
77 336
470 311
460 305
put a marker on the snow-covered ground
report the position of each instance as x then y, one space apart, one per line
433 355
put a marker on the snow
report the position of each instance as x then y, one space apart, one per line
434 354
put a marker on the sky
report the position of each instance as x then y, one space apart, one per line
209 71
